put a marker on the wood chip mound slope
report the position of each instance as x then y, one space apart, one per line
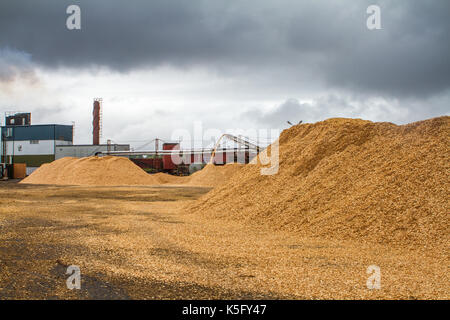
210 176
213 176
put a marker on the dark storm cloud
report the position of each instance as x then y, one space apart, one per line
325 39
124 35
410 56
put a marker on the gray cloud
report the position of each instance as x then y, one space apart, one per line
325 41
335 105
15 65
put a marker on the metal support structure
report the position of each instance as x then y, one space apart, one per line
163 152
237 140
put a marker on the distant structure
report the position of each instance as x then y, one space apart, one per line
17 119
97 121
33 145
88 150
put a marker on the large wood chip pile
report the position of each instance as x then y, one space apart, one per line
348 179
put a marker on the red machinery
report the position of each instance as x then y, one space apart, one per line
165 162
175 161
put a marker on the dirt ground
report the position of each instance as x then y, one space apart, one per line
139 243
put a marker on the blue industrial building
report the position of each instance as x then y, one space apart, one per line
33 144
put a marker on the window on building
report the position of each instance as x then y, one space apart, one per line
9 132
34 141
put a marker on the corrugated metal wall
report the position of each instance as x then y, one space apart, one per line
80 151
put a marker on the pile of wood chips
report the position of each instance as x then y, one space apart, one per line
118 171
348 179
102 171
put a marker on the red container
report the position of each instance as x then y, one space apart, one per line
167 159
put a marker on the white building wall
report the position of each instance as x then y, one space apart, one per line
22 148
42 147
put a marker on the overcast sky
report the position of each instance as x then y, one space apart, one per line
160 65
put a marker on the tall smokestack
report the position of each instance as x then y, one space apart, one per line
96 121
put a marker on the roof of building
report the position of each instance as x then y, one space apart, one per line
38 132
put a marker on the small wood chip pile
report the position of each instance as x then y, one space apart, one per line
102 171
